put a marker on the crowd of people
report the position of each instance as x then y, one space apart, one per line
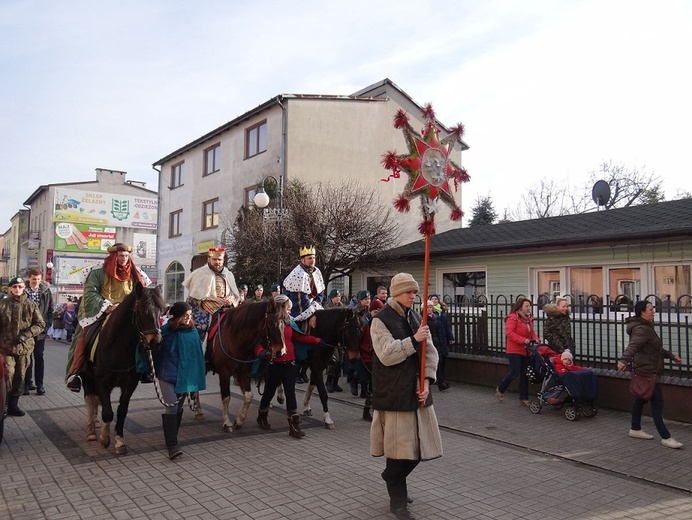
385 370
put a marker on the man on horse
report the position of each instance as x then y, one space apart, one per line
211 288
304 286
107 284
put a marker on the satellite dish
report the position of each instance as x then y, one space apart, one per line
601 193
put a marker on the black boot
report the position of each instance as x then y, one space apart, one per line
366 414
179 420
13 408
146 378
329 385
262 420
170 434
294 426
337 388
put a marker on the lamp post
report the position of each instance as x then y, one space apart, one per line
273 214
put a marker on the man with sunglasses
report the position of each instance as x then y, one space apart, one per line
20 323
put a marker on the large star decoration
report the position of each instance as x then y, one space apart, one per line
429 168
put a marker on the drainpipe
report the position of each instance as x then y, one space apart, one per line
159 278
282 175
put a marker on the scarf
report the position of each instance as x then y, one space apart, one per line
121 273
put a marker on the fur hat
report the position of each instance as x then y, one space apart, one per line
402 283
566 355
363 294
16 280
376 305
178 309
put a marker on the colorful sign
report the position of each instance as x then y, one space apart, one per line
84 238
104 209
70 270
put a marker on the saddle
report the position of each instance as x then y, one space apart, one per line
91 338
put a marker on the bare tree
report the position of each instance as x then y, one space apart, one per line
628 186
348 225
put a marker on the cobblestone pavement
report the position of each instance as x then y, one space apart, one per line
500 462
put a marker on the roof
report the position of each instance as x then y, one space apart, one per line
358 96
650 222
43 187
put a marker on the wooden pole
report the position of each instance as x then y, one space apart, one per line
424 321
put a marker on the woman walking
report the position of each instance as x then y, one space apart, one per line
558 329
645 354
520 333
179 366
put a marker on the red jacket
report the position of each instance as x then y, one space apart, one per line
366 345
518 330
290 354
560 368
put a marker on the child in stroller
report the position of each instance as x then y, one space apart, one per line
564 384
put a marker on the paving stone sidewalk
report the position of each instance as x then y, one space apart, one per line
500 462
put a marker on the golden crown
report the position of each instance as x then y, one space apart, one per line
216 252
307 250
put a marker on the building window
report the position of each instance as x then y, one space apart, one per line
585 282
174 223
210 214
548 287
256 139
464 286
173 291
624 285
250 193
176 175
212 159
673 286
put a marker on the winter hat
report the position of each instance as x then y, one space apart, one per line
566 355
363 294
16 280
376 304
178 309
402 283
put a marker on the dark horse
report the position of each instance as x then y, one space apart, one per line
241 330
342 328
133 323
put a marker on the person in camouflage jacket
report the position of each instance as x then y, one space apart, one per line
20 323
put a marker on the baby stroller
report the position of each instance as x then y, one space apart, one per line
575 391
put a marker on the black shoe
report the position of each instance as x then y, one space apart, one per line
337 388
354 388
146 378
26 390
31 386
40 390
74 384
409 499
443 386
402 513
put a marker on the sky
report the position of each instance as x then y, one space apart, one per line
547 89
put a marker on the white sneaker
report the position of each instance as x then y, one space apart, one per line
639 434
671 443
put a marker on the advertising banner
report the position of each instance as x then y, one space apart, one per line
84 238
70 270
144 248
104 209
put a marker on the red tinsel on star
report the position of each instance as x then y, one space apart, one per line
431 173
400 119
427 227
402 204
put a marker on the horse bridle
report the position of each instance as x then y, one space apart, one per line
142 333
247 361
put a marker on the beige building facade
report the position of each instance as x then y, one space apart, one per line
312 138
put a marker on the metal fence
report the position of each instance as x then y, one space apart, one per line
598 327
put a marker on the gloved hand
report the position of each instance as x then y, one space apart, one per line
323 344
21 338
266 354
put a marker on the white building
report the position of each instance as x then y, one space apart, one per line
291 136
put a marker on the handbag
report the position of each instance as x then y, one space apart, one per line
642 385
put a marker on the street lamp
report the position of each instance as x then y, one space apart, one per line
277 215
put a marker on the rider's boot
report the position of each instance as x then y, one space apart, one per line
170 434
262 419
294 426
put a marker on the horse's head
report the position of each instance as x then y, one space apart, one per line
275 317
149 306
351 331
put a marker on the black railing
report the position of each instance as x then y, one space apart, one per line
598 327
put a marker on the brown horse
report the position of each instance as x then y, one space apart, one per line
241 330
133 324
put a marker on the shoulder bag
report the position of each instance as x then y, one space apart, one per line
642 385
